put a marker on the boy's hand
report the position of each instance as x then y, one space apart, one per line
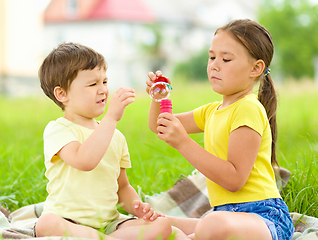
145 211
120 100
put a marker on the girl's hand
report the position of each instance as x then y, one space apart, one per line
152 79
120 100
171 130
145 211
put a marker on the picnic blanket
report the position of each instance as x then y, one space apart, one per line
187 198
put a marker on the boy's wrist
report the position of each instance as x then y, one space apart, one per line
110 120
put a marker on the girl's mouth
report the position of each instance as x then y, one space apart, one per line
216 79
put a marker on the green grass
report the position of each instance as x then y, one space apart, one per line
156 166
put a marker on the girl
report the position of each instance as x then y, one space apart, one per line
240 136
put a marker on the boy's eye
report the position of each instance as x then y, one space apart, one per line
93 84
226 60
105 82
212 58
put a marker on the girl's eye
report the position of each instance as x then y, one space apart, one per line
93 84
226 60
212 58
104 82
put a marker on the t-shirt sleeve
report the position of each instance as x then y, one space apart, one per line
251 115
55 137
125 158
202 113
199 115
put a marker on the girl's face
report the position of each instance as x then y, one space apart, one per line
87 95
230 67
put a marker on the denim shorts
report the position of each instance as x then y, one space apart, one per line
273 211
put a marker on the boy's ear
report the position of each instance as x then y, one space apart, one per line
258 68
60 94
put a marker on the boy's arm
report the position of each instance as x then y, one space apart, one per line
130 200
87 155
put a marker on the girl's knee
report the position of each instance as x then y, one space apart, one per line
213 226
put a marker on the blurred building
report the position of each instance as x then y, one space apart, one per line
21 38
135 36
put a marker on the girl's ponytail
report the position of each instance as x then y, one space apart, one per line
268 97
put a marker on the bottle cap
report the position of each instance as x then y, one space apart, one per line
160 89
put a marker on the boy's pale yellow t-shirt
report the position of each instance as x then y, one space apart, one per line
217 126
90 197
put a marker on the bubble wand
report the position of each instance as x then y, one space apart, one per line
160 91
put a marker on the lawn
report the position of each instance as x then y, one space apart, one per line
156 166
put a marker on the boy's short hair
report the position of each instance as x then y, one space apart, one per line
62 64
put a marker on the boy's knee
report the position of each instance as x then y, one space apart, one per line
162 227
44 223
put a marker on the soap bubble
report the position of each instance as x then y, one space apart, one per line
159 91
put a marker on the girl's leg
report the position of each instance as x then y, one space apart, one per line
50 224
232 225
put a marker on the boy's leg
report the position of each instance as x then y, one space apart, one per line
50 224
137 228
232 225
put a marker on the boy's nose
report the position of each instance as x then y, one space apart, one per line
103 89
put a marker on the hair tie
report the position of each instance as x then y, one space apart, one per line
267 71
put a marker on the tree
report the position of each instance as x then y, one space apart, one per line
293 26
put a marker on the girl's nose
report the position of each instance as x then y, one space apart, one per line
213 65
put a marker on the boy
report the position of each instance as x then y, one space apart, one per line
85 160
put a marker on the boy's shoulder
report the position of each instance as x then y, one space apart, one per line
63 125
60 122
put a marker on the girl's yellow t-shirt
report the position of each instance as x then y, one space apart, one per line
217 126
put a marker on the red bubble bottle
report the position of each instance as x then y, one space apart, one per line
166 106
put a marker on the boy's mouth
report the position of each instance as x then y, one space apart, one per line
101 101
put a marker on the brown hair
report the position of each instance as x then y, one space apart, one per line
258 42
62 64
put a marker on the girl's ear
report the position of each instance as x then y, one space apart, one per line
258 68
60 94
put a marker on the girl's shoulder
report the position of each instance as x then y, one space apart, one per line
250 103
209 107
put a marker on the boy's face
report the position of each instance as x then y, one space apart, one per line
87 95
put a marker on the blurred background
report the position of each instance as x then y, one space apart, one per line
138 36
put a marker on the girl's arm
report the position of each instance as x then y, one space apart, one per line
232 174
186 118
86 156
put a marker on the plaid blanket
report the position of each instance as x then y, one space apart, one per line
187 198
